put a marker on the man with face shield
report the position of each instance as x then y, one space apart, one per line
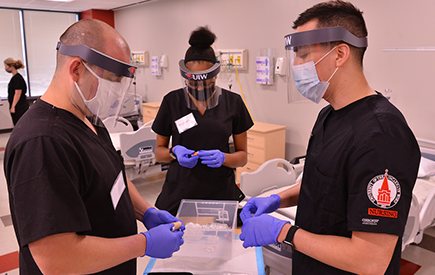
361 162
200 118
73 209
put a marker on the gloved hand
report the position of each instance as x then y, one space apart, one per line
260 231
154 217
212 158
258 206
184 156
162 242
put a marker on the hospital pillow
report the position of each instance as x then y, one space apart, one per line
427 168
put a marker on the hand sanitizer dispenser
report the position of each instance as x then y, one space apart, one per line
281 66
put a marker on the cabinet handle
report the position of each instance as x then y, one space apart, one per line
250 138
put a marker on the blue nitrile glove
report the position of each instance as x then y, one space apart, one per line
184 156
162 242
212 158
154 217
260 231
258 206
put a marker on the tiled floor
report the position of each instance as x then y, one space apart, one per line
418 259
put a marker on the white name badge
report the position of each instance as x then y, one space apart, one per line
185 123
117 190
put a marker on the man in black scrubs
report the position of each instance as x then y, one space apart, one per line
361 163
73 209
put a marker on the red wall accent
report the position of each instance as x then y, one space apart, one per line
106 16
9 262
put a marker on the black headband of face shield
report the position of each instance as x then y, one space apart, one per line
199 75
97 58
197 57
324 35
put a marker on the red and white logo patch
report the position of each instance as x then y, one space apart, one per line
384 191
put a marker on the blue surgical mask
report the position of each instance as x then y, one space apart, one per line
307 81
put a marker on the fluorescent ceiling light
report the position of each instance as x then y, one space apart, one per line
60 0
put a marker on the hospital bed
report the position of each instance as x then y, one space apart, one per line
423 194
277 175
137 147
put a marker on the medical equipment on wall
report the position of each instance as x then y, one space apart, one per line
233 60
163 61
235 57
264 64
281 66
387 93
230 61
140 58
156 69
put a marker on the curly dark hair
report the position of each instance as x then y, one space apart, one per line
200 48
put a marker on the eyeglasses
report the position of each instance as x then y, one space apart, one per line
201 84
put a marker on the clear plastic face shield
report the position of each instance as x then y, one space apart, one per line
201 91
114 77
304 51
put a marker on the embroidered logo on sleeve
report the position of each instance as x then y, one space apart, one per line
384 192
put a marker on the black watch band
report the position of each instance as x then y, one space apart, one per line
171 153
288 241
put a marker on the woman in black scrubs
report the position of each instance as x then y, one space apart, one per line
200 118
17 89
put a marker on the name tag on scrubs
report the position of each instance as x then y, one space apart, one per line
185 123
117 190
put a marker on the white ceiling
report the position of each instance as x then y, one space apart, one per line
73 6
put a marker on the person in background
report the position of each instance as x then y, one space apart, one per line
200 118
73 209
361 162
17 89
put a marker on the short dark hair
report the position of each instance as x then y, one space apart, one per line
337 13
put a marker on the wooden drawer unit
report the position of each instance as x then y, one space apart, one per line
256 155
149 110
265 141
256 139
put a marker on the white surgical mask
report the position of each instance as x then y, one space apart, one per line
307 81
106 99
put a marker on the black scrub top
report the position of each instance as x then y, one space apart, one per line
213 129
17 83
60 177
361 166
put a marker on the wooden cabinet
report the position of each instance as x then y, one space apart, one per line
149 111
265 141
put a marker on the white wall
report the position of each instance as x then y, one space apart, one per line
164 26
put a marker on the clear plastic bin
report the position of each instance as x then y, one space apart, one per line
210 228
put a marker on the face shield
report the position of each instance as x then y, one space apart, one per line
200 90
304 51
114 78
